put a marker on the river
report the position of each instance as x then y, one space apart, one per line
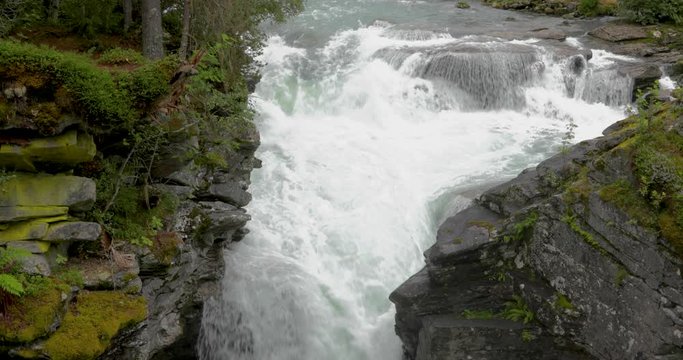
379 119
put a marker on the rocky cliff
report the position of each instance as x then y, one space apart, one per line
577 258
119 189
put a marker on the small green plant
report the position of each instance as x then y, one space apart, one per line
522 229
588 7
478 314
562 302
622 274
518 310
569 136
528 336
462 5
11 285
61 260
72 277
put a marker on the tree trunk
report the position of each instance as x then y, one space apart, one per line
53 11
152 32
127 15
185 36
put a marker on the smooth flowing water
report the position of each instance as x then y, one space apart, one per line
379 119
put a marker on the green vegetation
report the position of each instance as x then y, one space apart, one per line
653 199
90 323
478 314
562 302
119 56
106 100
522 229
622 274
462 5
528 336
585 235
515 310
33 316
651 12
518 310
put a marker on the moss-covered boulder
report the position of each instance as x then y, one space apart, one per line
91 322
28 230
70 149
75 192
35 247
33 316
18 213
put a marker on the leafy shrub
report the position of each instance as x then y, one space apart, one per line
92 88
119 56
650 12
588 7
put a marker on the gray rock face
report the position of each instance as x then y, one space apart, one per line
207 219
73 231
599 286
617 32
231 193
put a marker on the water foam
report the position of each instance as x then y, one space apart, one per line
361 156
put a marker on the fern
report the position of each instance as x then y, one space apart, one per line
11 285
518 310
10 257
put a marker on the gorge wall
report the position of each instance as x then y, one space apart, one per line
115 205
578 258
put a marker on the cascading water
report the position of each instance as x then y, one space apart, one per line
371 136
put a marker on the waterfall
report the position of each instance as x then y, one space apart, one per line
370 137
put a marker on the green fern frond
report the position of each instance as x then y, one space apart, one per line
11 285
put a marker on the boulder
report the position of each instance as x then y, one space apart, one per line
231 193
76 193
18 213
35 247
29 230
36 264
617 33
73 231
70 148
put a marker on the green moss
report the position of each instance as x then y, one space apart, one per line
92 322
528 336
585 235
478 314
30 317
579 189
621 275
106 101
625 196
119 56
562 302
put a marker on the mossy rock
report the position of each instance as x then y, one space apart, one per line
18 213
77 193
31 317
70 148
91 322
